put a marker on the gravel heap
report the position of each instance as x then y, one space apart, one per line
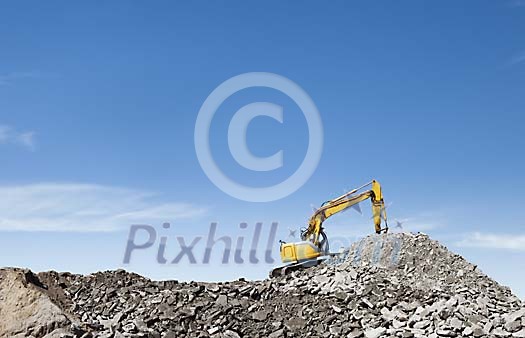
396 285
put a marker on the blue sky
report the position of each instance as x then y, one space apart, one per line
98 103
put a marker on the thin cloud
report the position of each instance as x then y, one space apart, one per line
9 135
493 241
517 3
4 133
518 58
9 78
85 208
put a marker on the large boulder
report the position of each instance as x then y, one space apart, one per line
26 309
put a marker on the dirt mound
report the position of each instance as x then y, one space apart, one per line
397 285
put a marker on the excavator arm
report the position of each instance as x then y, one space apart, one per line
344 202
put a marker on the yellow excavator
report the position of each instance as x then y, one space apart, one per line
313 247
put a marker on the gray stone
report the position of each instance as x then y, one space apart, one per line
374 333
277 334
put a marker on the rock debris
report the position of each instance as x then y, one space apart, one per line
395 285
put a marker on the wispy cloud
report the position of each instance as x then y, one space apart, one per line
85 208
518 58
9 135
9 78
516 3
493 241
4 133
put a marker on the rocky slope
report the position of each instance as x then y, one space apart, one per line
397 285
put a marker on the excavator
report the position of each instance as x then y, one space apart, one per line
313 247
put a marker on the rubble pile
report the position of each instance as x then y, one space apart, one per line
396 285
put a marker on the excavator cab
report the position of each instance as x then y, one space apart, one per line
298 251
305 250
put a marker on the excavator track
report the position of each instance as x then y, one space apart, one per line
288 269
